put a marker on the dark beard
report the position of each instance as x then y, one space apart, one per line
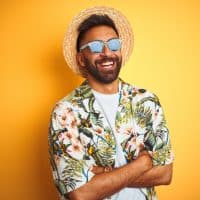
104 77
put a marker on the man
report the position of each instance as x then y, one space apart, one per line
107 139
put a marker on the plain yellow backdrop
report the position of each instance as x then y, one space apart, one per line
34 76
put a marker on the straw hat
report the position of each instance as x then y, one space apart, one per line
121 23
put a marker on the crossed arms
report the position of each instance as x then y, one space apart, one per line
139 173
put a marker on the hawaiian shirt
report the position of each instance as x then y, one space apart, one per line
80 135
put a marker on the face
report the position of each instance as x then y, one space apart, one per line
103 67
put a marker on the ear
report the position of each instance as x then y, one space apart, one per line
80 59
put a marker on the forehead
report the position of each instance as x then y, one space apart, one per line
101 32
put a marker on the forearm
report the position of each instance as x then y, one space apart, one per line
105 184
158 175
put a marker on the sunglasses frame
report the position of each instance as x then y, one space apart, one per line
102 42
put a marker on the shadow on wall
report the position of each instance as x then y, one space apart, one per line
63 81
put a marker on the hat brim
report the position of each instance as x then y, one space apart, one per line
123 27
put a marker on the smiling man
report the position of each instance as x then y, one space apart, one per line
107 139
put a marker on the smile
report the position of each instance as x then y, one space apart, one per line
106 65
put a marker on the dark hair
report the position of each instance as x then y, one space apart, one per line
92 21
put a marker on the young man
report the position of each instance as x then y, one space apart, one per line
107 139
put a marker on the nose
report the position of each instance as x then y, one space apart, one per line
106 51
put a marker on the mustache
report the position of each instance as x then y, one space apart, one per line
106 59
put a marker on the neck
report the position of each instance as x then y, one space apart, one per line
109 88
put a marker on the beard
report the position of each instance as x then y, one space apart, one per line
99 73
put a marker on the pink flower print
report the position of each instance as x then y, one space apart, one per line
68 135
74 123
71 121
65 117
156 114
76 147
61 137
62 119
75 150
99 130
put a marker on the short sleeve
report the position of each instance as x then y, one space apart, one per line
70 163
157 139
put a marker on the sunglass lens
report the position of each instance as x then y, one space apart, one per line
114 44
96 47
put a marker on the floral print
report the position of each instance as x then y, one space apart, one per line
80 136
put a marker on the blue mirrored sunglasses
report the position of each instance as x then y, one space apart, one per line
97 46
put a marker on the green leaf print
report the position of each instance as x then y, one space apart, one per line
72 173
142 115
150 140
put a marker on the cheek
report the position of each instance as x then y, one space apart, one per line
92 58
119 55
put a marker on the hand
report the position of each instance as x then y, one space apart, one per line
144 152
146 159
99 170
143 157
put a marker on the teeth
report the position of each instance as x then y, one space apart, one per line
107 63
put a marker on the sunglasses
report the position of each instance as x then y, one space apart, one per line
97 46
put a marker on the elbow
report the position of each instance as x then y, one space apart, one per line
167 179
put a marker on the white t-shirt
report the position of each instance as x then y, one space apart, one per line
108 104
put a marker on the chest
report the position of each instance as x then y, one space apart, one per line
99 136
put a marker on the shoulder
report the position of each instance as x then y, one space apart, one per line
139 94
68 102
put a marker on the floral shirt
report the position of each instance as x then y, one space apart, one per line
80 135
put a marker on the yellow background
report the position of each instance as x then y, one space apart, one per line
34 76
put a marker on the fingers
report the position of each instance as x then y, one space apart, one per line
99 170
144 152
